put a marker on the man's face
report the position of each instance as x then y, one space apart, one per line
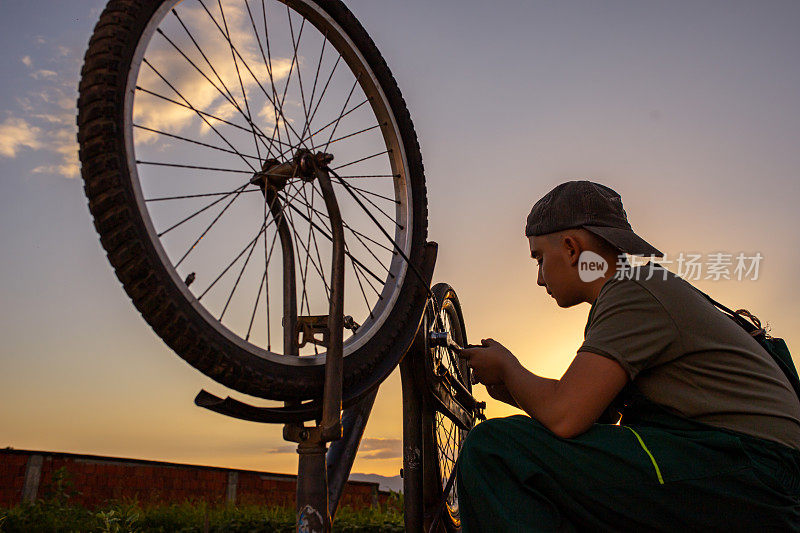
557 274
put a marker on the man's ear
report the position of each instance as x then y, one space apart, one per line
573 248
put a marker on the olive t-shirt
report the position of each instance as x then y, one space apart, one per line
686 355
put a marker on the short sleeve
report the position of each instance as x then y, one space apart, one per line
630 326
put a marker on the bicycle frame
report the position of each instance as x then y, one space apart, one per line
323 471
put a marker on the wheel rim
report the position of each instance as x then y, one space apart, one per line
449 437
184 118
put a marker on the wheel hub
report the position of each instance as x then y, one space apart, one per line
303 165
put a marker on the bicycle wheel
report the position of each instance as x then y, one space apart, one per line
442 436
438 411
183 107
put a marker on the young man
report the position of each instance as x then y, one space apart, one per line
710 433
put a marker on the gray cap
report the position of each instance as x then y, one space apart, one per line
591 206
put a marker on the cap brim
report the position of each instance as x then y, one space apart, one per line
626 240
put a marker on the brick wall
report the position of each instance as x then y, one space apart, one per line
26 475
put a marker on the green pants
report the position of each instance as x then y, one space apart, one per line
656 472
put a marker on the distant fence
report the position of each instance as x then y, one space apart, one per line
27 475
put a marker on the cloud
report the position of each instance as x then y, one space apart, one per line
46 119
54 137
379 448
370 448
43 74
215 96
286 448
16 133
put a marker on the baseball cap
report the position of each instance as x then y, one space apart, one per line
591 206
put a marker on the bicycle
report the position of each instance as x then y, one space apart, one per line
202 147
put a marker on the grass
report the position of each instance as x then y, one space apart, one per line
56 512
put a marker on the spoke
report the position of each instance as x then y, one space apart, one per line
357 265
341 115
248 245
191 141
329 124
298 240
289 77
299 77
310 211
324 89
373 193
226 193
356 232
239 75
374 256
208 62
314 88
146 62
308 256
250 71
359 234
255 306
199 112
330 238
268 64
354 134
264 227
360 160
364 294
195 167
263 279
267 257
376 206
347 252
241 272
385 233
450 449
236 191
316 245
213 222
229 97
371 176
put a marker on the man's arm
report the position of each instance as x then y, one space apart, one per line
500 392
568 406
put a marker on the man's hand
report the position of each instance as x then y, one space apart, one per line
490 363
567 406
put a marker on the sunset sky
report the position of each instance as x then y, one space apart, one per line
688 109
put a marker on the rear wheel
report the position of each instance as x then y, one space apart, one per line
182 106
442 436
432 436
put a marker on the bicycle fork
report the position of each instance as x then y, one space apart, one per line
312 507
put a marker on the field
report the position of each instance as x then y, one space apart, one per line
57 513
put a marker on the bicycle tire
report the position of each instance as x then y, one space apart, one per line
442 439
152 285
426 469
